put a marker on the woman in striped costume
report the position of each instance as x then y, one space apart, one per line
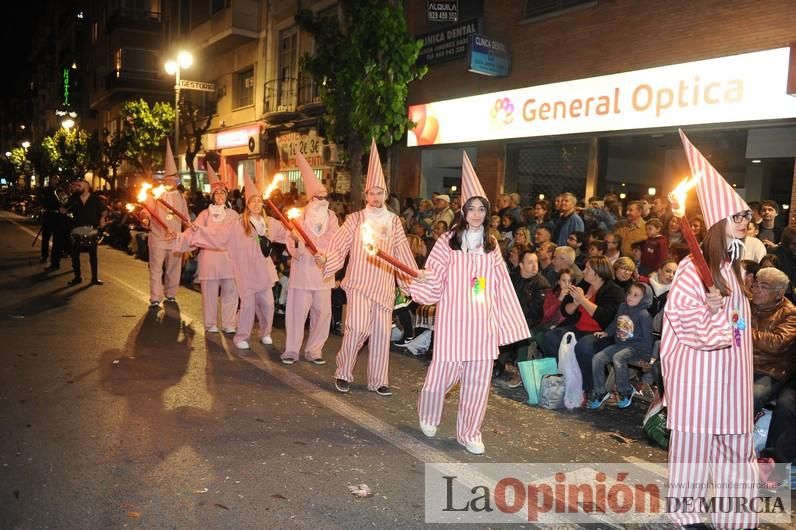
477 311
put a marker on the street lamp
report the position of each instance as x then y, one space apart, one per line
25 144
173 67
68 123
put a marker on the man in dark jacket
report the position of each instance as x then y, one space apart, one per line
531 289
774 353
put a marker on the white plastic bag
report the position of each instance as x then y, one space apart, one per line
420 344
761 431
568 367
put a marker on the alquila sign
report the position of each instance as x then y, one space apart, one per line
739 88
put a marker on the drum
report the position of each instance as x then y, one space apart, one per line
85 236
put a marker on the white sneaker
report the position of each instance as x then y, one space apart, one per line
287 360
229 330
242 345
476 448
212 329
266 339
428 430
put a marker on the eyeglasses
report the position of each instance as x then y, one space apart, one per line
739 217
758 286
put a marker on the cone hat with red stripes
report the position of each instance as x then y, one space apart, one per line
375 178
471 186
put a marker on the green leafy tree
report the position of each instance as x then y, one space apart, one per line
112 150
143 131
72 152
20 162
363 65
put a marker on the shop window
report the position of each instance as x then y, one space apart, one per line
243 93
539 8
547 168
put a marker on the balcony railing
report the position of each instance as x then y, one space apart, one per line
127 18
289 94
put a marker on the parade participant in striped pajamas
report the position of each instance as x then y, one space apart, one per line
706 354
369 282
249 245
215 268
477 311
165 264
308 292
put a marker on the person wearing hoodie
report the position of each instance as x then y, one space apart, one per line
631 330
661 281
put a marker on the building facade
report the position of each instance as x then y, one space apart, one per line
595 93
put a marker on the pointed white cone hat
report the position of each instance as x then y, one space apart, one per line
213 180
251 188
471 186
716 198
312 186
169 166
375 177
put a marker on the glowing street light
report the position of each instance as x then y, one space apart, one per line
68 123
173 66
25 144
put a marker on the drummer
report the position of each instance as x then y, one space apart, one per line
88 211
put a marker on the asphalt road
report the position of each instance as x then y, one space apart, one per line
114 415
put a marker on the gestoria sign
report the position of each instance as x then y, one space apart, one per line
740 88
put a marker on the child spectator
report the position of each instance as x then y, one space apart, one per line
636 251
661 281
631 330
656 248
576 241
597 248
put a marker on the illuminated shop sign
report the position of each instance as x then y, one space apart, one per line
747 87
488 56
237 137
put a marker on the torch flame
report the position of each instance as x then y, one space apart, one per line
293 213
157 192
130 207
142 194
678 196
279 177
368 239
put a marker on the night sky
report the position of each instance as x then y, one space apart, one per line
18 20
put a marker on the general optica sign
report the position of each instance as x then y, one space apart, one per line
739 88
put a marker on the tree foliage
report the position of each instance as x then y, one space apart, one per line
143 131
71 152
194 125
363 65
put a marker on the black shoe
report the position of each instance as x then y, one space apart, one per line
96 281
403 342
43 259
342 385
171 299
74 281
52 268
384 391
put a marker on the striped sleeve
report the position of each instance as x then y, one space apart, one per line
339 246
689 317
401 251
512 326
430 291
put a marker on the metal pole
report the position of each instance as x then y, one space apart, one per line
177 116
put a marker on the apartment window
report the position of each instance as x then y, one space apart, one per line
288 67
243 94
538 8
135 60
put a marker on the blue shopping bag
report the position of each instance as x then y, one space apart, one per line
532 372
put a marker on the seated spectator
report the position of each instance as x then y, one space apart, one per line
409 211
545 254
631 331
613 246
418 248
656 248
494 228
576 241
660 281
531 289
678 251
542 235
672 232
521 238
513 258
440 227
564 257
507 228
625 273
769 260
597 248
595 234
425 214
749 269
753 248
636 251
568 220
541 217
595 302
698 227
442 210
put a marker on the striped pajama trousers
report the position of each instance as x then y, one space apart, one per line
365 319
475 377
696 459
